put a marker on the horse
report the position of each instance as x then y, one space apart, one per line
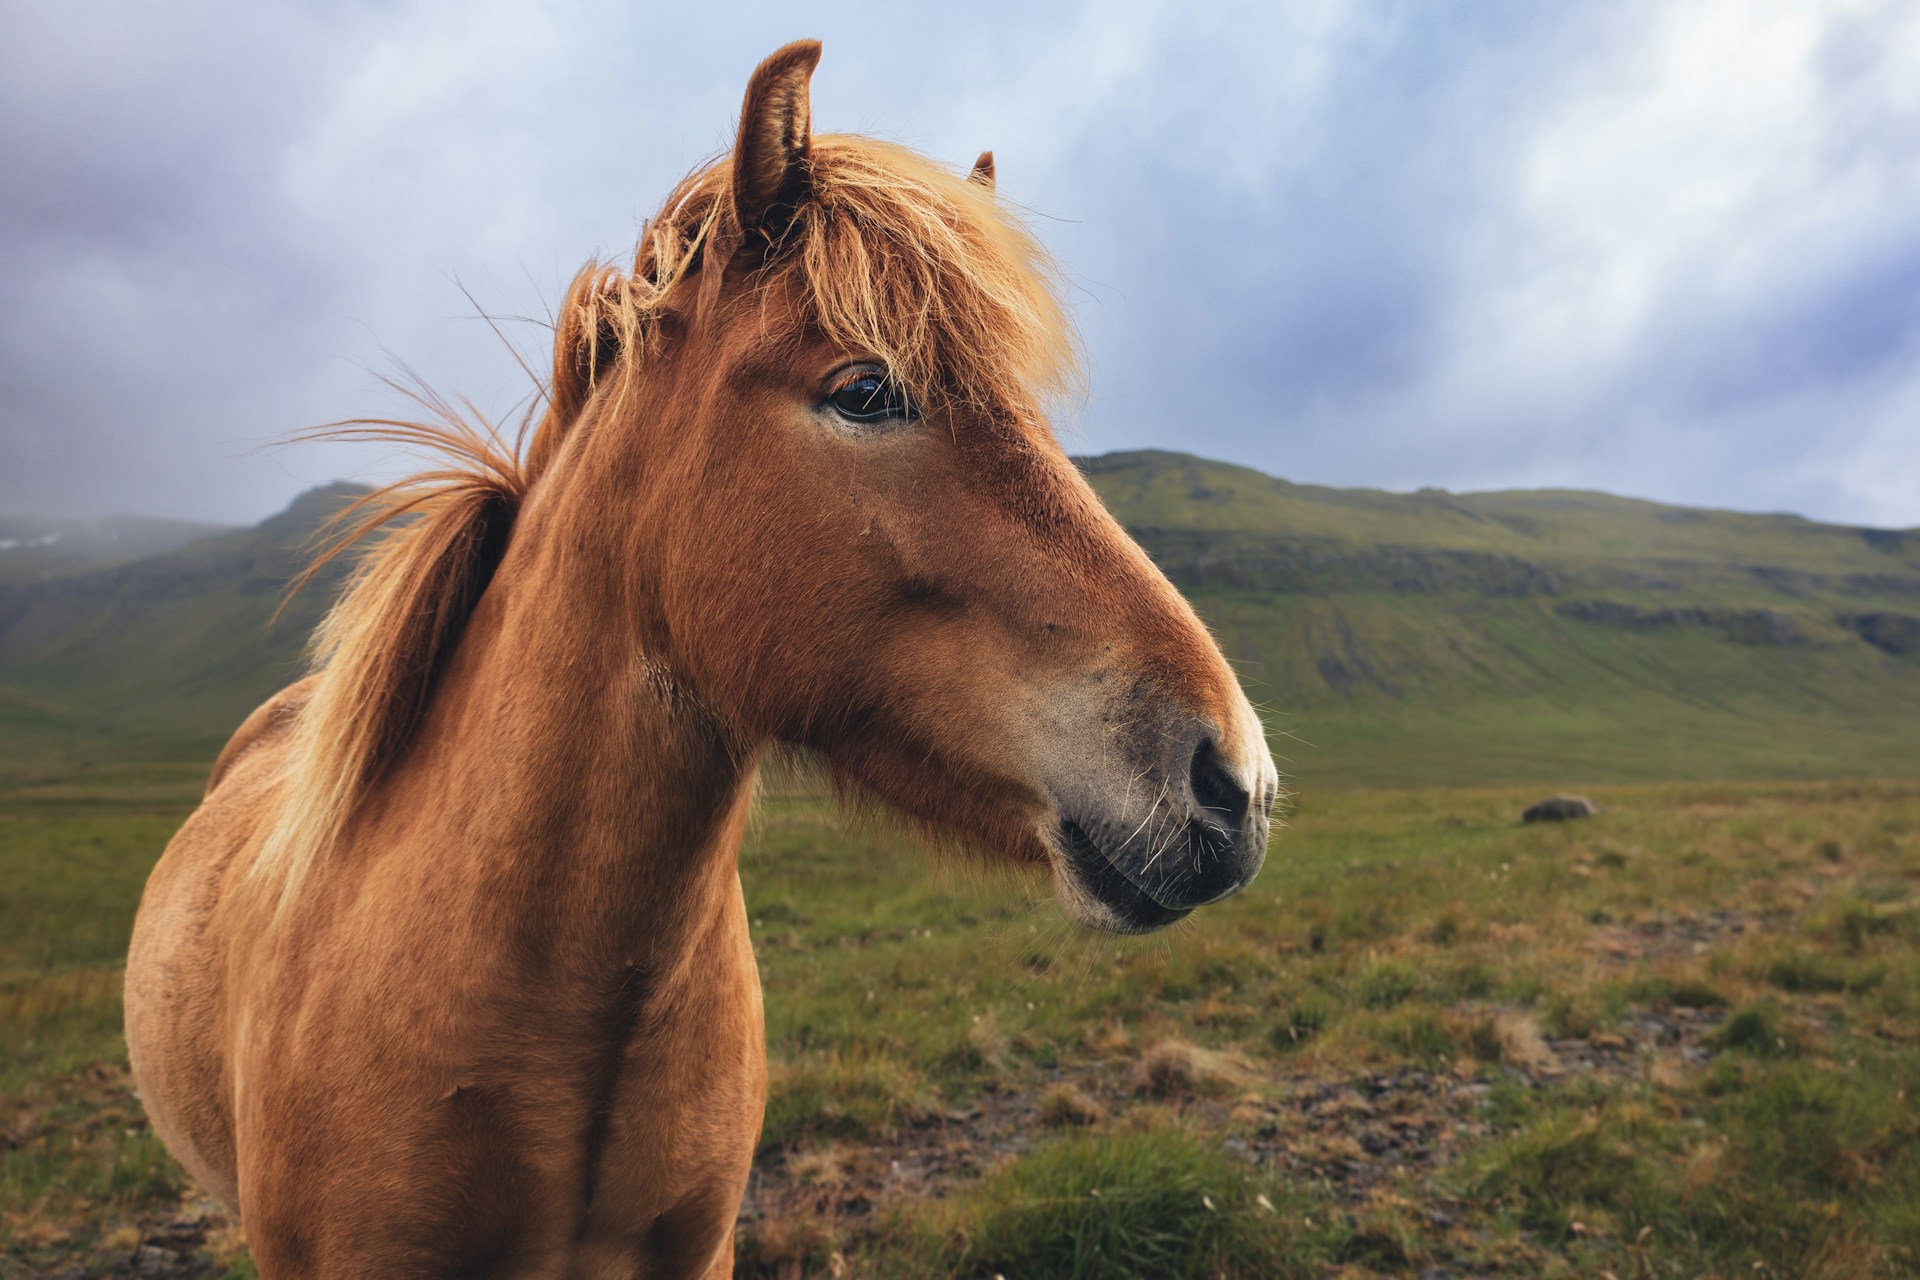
449 974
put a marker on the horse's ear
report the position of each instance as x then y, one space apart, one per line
983 170
776 124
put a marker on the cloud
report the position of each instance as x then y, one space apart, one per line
1666 252
1669 249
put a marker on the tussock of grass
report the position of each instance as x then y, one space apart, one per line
1387 982
1156 1203
984 1047
1065 1105
1806 971
1479 1039
839 1095
1675 990
1417 1033
1174 1068
1569 1166
1304 1020
786 1247
1760 1029
1854 921
1521 1043
1583 1011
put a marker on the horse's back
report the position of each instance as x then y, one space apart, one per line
177 1007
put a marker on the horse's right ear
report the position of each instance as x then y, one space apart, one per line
776 125
983 170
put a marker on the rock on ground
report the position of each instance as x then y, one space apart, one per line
1559 809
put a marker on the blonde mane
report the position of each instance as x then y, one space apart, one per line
897 258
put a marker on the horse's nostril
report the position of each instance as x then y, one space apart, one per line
1221 798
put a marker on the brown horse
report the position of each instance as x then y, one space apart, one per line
450 973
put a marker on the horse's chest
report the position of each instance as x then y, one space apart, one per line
563 1135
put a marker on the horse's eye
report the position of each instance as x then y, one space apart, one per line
871 397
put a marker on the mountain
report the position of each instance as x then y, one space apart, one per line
1437 637
1426 638
33 548
173 649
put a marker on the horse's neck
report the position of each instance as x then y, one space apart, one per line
586 787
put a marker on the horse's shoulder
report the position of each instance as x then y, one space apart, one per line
268 723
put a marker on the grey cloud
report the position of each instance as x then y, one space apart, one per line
1348 242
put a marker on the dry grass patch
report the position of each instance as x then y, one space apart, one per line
1522 1045
988 1043
787 1246
1174 1068
824 1166
1064 1105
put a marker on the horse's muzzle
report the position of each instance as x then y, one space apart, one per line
1140 866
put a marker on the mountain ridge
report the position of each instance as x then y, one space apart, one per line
1410 637
34 547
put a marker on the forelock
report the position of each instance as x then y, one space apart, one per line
892 255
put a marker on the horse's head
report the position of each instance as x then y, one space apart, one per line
825 376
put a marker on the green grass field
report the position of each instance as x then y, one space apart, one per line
1676 1040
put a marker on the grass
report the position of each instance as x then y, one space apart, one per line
78 1165
1151 1202
1677 1039
840 1094
1787 1167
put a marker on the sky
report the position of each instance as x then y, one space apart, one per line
1665 248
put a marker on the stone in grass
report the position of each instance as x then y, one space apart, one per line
1560 809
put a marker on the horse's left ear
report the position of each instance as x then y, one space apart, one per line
983 170
776 125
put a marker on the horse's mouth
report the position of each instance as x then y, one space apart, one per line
1118 903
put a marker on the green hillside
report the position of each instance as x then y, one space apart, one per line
161 657
1393 639
33 548
1543 635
